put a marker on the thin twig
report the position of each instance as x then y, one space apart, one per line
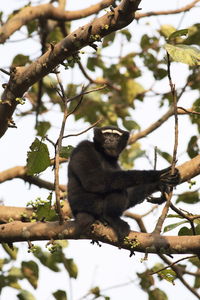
163 216
85 93
155 157
58 146
174 96
4 71
98 81
172 264
85 130
180 213
178 270
168 196
189 111
167 12
49 140
137 218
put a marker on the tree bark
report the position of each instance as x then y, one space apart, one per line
24 77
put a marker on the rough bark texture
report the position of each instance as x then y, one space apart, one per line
21 231
24 77
141 242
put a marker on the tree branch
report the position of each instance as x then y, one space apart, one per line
158 123
8 213
47 11
24 77
187 171
179 272
21 172
19 231
167 12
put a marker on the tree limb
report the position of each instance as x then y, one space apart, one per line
158 123
24 77
47 11
19 231
21 172
187 171
167 12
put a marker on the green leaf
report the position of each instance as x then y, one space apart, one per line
11 251
10 281
45 212
20 60
130 90
32 26
189 55
38 158
1 15
178 33
16 272
185 231
3 261
47 259
127 34
193 147
167 30
157 294
30 271
197 282
108 39
130 124
173 226
165 155
42 128
25 295
149 42
71 267
60 295
55 35
95 291
193 35
189 197
93 62
14 285
129 155
65 152
197 229
159 73
195 261
168 275
146 280
196 104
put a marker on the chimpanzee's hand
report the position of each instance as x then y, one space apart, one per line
166 178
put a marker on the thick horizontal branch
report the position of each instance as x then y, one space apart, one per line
167 12
8 213
47 11
141 242
190 169
21 172
24 77
187 171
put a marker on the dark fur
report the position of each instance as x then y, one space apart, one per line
99 189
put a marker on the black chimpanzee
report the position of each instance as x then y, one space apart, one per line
99 190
